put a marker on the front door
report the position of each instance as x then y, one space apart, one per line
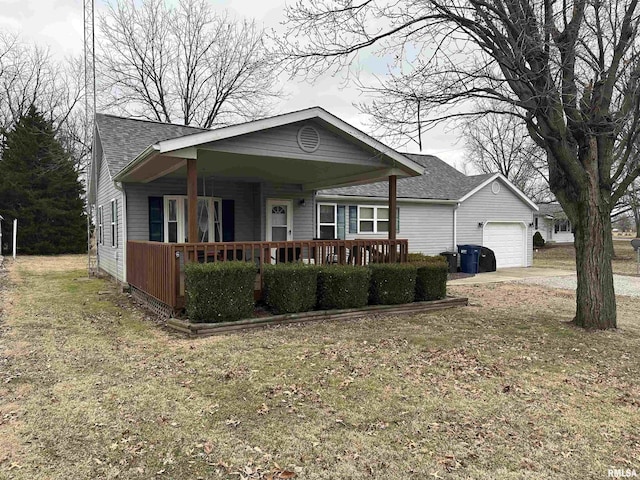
279 220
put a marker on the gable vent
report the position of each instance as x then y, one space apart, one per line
308 139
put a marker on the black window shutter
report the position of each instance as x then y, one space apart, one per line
156 219
353 219
228 221
397 219
341 222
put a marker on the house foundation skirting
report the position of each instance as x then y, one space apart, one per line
206 329
154 305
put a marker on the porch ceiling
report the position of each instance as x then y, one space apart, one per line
310 174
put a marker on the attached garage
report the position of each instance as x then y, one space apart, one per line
444 208
508 241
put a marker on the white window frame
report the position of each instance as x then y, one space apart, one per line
375 218
114 223
562 222
323 224
100 225
182 202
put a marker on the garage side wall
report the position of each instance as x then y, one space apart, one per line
486 206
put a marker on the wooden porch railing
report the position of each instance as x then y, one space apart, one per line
158 268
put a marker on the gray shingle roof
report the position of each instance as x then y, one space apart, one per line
440 182
551 209
124 138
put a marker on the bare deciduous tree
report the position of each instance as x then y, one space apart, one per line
501 143
183 64
29 75
570 70
632 200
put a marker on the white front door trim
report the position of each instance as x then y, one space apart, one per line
271 202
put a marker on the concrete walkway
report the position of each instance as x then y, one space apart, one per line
511 275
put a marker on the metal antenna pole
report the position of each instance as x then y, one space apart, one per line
90 110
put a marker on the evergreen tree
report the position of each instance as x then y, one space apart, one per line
39 186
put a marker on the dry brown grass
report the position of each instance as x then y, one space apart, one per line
564 257
503 389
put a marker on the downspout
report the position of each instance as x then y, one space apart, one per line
455 227
120 188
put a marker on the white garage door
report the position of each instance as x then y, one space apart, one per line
507 241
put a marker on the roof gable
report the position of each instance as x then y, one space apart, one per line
122 139
490 178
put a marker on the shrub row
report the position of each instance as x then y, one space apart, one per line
223 291
219 291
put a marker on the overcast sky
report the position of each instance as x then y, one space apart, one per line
58 24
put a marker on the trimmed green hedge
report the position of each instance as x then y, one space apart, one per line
431 279
392 283
343 287
417 257
220 291
290 287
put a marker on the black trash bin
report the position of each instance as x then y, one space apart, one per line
469 256
452 260
487 261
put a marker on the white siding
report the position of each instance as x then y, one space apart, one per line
545 228
485 206
110 259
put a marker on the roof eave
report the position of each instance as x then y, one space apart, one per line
144 155
365 198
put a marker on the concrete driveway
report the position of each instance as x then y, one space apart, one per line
511 275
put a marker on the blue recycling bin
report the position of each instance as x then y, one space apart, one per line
469 258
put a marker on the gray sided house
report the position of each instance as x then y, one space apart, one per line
243 184
438 210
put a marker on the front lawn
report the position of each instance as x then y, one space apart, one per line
563 256
503 389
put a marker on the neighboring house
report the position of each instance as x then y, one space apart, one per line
253 182
553 224
437 211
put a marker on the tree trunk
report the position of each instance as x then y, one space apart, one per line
595 296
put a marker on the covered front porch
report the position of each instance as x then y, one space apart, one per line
157 269
248 193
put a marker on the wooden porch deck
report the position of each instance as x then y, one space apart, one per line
157 269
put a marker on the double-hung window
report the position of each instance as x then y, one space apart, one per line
114 223
327 221
562 225
373 219
100 226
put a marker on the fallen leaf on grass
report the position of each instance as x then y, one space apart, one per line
285 474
